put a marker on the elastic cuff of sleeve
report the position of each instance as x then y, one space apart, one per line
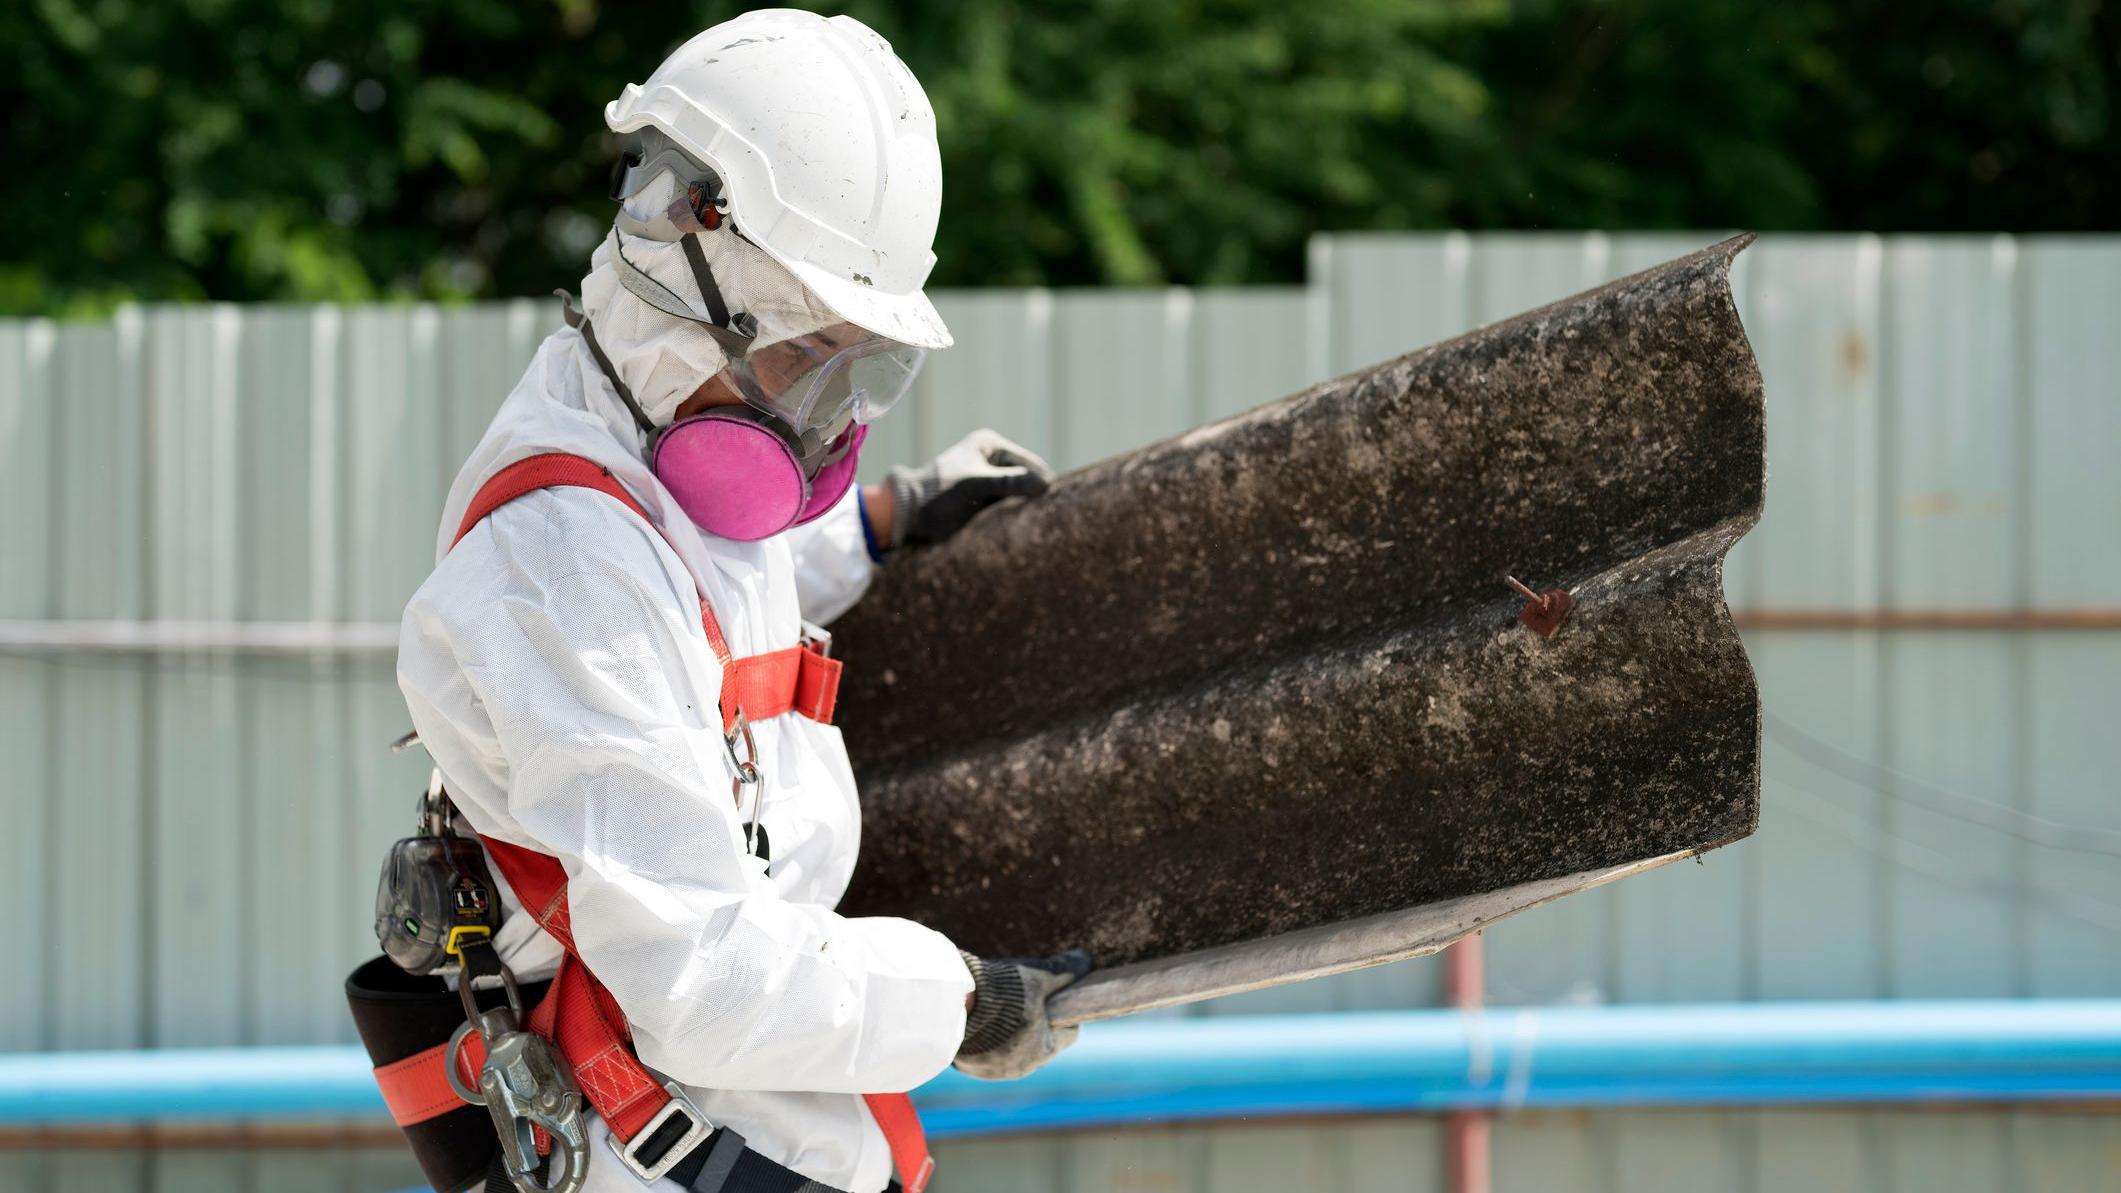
861 513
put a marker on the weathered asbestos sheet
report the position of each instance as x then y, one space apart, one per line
1254 704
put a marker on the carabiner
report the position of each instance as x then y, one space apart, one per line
522 1084
747 775
747 767
527 1089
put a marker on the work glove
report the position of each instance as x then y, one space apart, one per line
1007 1033
933 502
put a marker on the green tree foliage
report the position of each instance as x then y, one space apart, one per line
312 149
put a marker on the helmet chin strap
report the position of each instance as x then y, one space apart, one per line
637 282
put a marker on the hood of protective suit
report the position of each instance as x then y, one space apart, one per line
662 358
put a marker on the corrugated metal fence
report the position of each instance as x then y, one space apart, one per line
192 834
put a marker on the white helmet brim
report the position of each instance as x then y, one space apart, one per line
907 318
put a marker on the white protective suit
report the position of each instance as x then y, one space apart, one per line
556 669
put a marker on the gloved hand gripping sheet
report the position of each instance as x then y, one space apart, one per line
1255 704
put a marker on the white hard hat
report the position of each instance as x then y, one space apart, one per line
825 146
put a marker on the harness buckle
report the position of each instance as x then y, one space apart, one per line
460 936
527 1089
817 638
697 1129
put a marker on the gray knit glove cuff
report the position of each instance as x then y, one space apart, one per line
997 1005
911 489
1007 1033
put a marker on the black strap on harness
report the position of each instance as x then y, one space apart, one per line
720 1164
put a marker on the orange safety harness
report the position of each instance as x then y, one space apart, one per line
578 1014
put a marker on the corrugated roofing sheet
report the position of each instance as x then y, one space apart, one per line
1265 676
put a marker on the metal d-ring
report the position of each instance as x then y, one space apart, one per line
449 1064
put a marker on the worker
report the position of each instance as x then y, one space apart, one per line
756 307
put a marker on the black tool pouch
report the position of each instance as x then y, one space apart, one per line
399 1015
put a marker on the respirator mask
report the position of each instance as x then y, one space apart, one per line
804 386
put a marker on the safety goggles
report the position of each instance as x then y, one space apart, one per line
822 382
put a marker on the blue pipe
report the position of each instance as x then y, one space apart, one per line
1150 1070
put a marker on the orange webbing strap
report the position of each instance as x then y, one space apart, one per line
901 1124
559 469
417 1088
799 679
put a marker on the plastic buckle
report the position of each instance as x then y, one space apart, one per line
694 1135
454 945
919 1180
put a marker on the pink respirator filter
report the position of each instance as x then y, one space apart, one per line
737 478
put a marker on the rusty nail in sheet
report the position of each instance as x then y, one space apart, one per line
1543 612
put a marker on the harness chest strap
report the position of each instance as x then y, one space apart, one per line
580 1016
798 679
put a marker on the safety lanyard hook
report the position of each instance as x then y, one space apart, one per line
522 1082
528 1090
747 774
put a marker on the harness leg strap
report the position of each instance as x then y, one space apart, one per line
720 1162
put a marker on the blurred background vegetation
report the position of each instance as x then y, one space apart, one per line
312 150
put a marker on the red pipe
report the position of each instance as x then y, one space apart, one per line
1466 1151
